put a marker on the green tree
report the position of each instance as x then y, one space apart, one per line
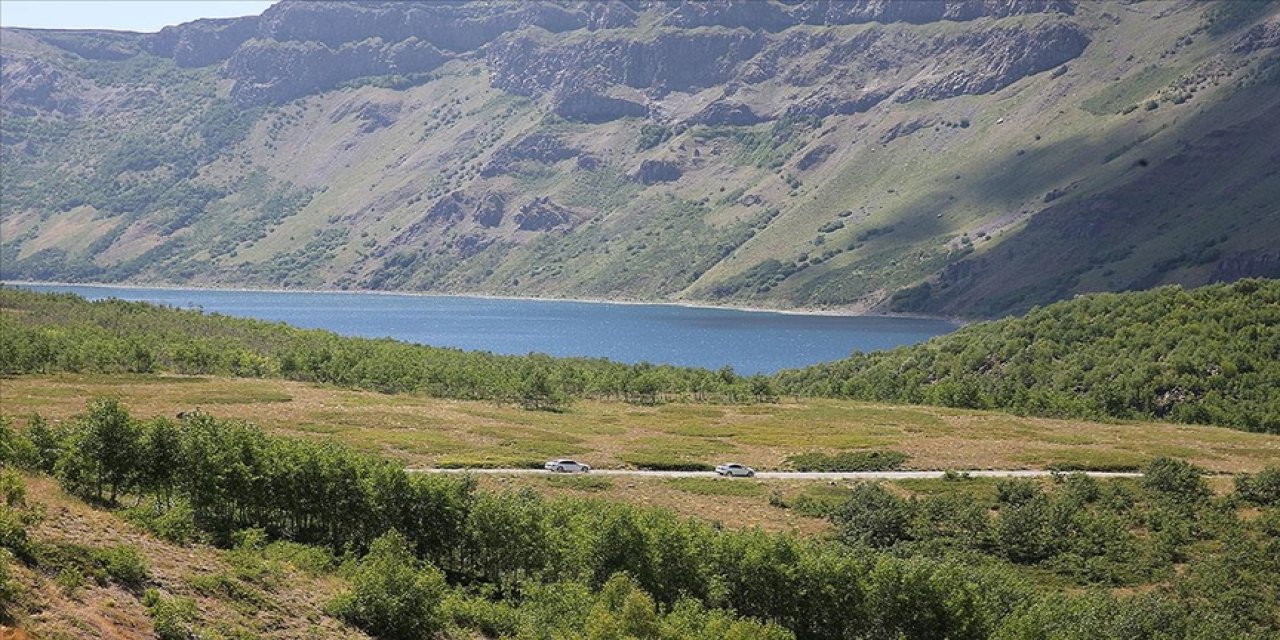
393 595
101 459
873 516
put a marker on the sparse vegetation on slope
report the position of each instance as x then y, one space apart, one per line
1209 355
433 554
1048 149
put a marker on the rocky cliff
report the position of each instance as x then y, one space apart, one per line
957 156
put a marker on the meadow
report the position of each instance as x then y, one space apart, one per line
422 431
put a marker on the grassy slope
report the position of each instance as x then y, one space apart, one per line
425 431
1205 355
343 198
235 594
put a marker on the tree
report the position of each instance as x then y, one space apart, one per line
393 596
873 516
101 458
1176 479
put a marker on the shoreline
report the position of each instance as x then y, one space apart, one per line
803 311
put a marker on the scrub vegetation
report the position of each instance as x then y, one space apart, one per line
418 556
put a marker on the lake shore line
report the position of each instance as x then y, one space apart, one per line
799 311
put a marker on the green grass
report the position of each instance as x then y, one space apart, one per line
1129 91
587 483
717 486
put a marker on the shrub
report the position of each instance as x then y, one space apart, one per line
848 461
393 595
176 524
10 590
493 619
1176 479
1017 492
172 617
1262 489
649 463
124 564
1022 532
581 483
873 516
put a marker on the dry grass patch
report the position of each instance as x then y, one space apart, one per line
426 431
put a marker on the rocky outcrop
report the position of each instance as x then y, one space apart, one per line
268 71
774 16
490 210
815 157
1247 264
585 105
655 171
830 12
726 112
826 102
1265 35
370 116
203 42
906 128
541 214
543 148
449 208
999 57
524 65
32 85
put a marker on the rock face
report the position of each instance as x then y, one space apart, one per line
490 210
726 112
580 145
543 148
32 86
1002 57
584 105
655 171
541 214
272 71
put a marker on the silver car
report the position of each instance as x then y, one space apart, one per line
566 466
735 469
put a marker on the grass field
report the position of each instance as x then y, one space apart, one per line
425 431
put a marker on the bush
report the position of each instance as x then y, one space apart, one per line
648 463
10 590
1262 489
493 619
176 524
1176 479
393 595
873 516
1017 492
172 618
848 461
125 565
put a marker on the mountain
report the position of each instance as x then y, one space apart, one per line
960 157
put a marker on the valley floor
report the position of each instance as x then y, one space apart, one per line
425 432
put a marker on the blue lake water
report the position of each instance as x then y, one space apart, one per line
748 341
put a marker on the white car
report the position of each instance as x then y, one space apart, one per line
566 466
735 469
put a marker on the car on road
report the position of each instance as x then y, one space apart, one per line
566 466
735 469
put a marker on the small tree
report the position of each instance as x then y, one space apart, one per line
1262 489
393 596
871 515
101 457
1176 479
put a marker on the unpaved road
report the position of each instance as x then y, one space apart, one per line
792 475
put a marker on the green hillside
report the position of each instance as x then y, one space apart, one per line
1207 355
967 159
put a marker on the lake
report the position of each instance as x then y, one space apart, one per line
748 341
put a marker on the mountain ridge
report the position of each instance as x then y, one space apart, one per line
966 159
